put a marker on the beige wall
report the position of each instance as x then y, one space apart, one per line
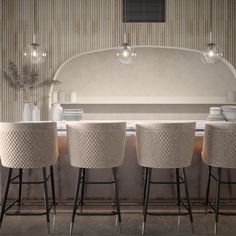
70 27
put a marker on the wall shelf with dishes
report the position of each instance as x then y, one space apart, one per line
162 75
151 100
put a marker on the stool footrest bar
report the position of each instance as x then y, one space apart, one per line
32 182
97 213
111 182
167 213
28 213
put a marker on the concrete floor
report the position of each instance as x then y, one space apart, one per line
105 225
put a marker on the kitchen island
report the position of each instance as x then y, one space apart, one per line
130 175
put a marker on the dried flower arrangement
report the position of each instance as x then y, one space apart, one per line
26 79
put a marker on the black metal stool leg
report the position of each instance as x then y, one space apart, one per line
145 184
5 196
208 188
75 200
114 171
46 197
20 189
146 199
188 200
178 195
53 189
217 199
82 189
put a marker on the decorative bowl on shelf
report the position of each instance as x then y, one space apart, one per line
229 112
228 108
229 115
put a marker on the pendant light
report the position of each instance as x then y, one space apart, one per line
124 52
212 52
34 53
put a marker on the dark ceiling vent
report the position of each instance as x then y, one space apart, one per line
143 10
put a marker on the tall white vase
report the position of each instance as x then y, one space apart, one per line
26 116
54 97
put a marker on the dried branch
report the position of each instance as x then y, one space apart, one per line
26 79
48 82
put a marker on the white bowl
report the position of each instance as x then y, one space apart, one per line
229 108
229 115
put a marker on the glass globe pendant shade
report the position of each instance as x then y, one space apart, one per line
34 53
126 54
211 54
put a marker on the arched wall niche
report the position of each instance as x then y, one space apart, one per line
159 75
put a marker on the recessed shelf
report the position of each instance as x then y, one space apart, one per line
151 100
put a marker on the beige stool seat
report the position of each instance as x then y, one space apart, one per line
219 152
165 146
26 146
95 146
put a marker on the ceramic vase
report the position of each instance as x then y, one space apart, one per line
26 115
61 96
73 97
56 112
35 113
230 96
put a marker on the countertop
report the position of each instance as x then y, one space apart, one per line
200 124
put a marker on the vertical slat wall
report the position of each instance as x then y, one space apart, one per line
1 40
69 27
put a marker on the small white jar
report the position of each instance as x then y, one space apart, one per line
230 96
56 113
61 96
73 97
35 113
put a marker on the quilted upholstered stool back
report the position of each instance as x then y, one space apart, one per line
96 145
28 145
165 145
219 145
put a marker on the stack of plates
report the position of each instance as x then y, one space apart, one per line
130 125
229 112
215 114
215 118
73 114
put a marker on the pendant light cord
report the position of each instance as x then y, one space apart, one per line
211 19
34 23
125 32
125 15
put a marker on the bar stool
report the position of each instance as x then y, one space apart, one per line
165 146
28 146
219 152
95 146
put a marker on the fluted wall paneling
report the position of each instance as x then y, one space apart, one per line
1 45
69 27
